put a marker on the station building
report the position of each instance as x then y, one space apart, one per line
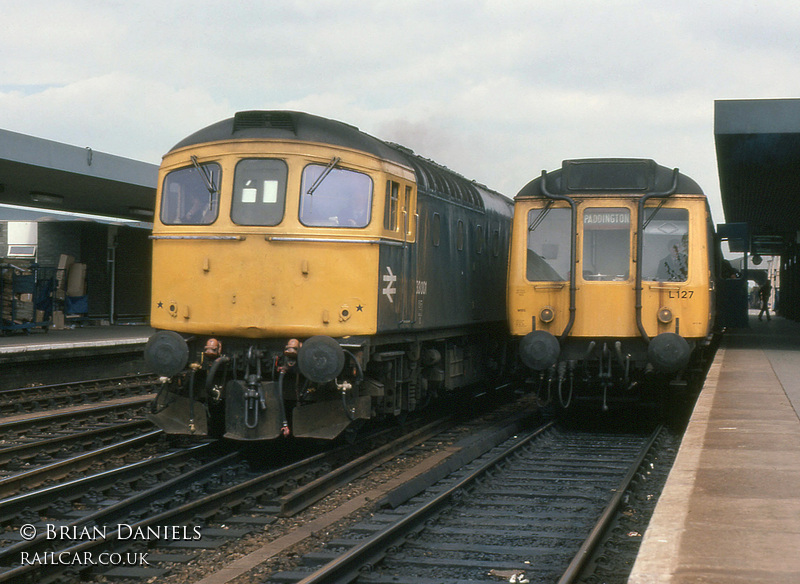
62 204
758 158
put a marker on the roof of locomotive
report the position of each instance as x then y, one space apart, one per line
290 125
609 176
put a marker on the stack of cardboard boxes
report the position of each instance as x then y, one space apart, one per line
17 297
70 281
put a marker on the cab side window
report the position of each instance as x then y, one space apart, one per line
391 205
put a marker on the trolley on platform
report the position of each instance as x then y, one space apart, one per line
26 297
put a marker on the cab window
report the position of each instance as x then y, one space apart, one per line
259 192
436 229
339 197
479 242
190 196
390 208
548 254
665 245
606 243
407 211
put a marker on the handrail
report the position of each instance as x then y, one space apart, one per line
639 247
572 250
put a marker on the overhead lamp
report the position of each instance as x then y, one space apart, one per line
47 198
141 211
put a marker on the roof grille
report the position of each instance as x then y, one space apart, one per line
445 183
259 119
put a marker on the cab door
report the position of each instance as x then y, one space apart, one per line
398 257
540 268
409 277
604 268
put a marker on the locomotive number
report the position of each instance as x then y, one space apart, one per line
681 293
422 287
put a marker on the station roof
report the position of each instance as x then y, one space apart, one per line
42 174
758 160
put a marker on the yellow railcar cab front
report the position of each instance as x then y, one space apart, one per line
611 261
675 267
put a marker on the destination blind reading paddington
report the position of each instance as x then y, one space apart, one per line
607 218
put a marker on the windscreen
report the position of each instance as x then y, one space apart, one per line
339 197
548 252
606 243
259 192
665 245
190 196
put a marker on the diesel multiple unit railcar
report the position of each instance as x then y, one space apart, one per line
307 276
611 279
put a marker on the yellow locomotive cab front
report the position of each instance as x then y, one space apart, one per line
302 279
275 265
267 251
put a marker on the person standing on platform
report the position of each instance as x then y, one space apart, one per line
764 294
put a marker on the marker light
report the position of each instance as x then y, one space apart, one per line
547 314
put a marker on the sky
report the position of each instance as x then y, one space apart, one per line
497 90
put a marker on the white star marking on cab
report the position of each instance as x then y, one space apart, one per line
389 289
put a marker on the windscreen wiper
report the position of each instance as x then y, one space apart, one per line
542 214
208 178
653 215
334 161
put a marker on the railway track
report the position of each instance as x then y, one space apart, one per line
210 498
531 510
47 428
39 428
48 397
150 496
40 447
222 499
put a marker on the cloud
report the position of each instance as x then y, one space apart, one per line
497 91
114 113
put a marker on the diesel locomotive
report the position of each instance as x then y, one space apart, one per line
308 276
611 280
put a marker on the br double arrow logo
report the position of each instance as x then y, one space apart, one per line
389 290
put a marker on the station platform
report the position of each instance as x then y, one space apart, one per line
730 510
39 345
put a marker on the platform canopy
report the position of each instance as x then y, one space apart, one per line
758 159
42 174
